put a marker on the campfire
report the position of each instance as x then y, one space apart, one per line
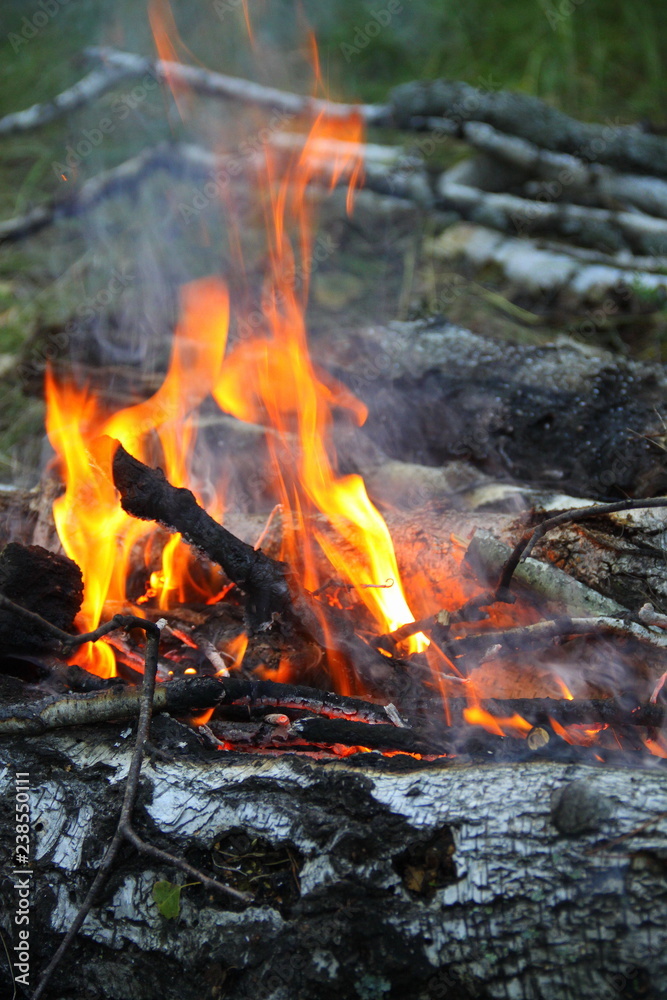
318 600
237 554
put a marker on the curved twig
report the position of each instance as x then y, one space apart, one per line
525 545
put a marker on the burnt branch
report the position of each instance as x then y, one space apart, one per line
271 586
186 694
146 493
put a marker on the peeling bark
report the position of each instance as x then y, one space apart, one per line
421 882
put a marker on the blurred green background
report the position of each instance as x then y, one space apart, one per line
591 57
596 59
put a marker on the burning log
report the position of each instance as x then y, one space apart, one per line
182 696
369 873
367 724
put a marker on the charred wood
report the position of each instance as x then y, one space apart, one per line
43 582
272 589
563 416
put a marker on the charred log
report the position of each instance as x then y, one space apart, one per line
48 584
560 414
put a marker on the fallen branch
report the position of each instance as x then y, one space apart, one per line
197 164
180 696
598 227
488 557
211 84
625 147
82 93
181 161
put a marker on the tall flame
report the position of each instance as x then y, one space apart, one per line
269 379
286 393
93 528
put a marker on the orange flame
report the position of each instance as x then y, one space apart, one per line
286 393
166 37
270 379
94 530
517 725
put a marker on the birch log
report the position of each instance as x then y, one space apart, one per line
624 147
532 881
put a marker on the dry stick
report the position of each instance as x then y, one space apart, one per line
212 84
119 66
182 161
124 829
83 92
524 547
181 696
